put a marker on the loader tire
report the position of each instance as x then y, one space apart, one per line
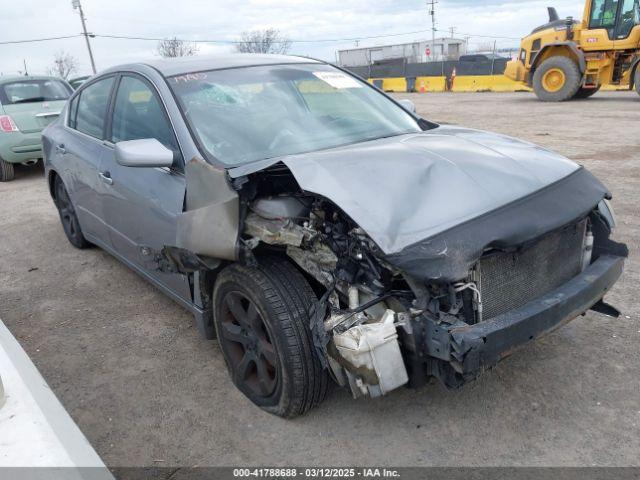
636 82
585 93
557 79
6 171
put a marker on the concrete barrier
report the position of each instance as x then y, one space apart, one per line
486 83
461 83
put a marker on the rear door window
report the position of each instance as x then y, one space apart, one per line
92 108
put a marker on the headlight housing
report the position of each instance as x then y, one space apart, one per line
606 210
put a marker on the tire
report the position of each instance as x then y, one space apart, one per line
68 217
636 81
6 171
262 324
585 93
557 79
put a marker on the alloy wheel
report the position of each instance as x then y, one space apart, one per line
251 353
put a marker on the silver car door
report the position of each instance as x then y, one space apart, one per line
142 204
79 151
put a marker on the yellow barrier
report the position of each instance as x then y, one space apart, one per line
397 84
431 84
464 83
613 88
486 83
423 84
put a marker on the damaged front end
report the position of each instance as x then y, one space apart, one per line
447 307
436 264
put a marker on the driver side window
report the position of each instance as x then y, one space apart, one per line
138 113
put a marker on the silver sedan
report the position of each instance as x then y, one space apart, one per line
321 230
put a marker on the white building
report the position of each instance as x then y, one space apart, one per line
414 52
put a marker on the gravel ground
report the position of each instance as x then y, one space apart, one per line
146 390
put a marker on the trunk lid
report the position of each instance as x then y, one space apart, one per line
33 117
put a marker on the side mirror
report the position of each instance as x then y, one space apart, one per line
408 105
147 152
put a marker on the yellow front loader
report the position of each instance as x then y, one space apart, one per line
566 59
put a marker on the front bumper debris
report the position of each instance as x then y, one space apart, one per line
470 349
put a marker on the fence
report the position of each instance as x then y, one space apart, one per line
399 69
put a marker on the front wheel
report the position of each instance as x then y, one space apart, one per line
637 80
557 79
261 315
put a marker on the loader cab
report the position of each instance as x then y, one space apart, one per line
618 17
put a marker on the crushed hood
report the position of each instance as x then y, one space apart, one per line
402 190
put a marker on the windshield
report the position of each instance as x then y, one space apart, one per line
27 91
247 114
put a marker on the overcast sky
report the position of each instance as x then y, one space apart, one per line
224 20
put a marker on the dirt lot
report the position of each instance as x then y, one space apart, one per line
147 390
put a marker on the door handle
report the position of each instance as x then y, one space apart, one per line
106 178
60 149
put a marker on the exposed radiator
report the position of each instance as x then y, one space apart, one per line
510 280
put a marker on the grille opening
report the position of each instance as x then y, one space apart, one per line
509 280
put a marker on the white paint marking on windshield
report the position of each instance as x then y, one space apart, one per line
338 80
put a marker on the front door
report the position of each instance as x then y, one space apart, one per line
142 204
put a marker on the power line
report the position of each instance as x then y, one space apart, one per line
232 42
33 40
499 37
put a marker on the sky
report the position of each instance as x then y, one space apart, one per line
305 22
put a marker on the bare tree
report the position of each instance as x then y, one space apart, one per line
64 64
174 47
263 41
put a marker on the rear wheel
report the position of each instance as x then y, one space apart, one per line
68 215
262 323
557 79
6 171
585 92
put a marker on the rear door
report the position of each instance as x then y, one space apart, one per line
34 103
142 204
79 153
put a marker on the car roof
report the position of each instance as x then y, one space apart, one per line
181 65
14 78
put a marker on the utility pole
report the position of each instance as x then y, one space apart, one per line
453 30
77 6
432 12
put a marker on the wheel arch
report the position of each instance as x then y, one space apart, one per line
51 179
564 49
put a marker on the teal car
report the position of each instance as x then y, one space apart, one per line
27 105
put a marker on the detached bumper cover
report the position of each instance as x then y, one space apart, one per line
473 348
